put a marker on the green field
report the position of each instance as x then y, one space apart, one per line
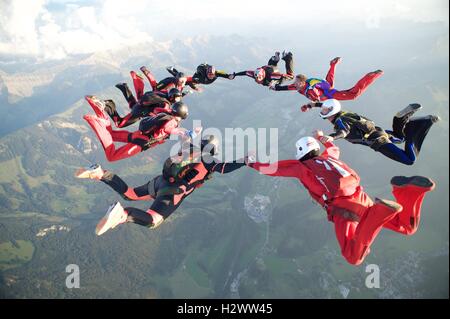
14 254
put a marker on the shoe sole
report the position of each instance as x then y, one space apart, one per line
97 107
83 174
377 72
106 221
86 174
335 61
410 109
434 118
99 226
419 181
388 203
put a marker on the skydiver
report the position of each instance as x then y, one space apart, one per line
205 74
178 81
320 90
358 129
336 187
181 175
269 74
149 104
159 89
152 131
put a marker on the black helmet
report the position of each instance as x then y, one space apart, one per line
210 144
173 93
180 109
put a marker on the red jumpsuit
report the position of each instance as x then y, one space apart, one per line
138 83
136 142
357 219
320 90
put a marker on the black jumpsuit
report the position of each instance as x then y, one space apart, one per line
272 72
200 76
150 104
167 196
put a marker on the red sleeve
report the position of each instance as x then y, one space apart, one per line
189 80
313 95
171 127
331 150
291 87
287 168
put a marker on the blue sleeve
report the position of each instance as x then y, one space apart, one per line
341 129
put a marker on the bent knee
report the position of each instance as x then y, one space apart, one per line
111 158
355 261
410 231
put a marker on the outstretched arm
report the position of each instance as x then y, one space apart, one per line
327 141
310 105
342 129
192 82
278 87
223 74
248 73
338 134
331 150
181 131
287 168
224 168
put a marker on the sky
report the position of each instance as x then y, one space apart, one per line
56 29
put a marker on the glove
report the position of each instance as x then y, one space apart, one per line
276 57
317 134
190 134
326 139
305 107
250 159
285 54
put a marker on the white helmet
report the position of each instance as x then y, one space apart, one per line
329 108
306 145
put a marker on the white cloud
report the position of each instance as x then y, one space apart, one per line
18 30
29 28
52 29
